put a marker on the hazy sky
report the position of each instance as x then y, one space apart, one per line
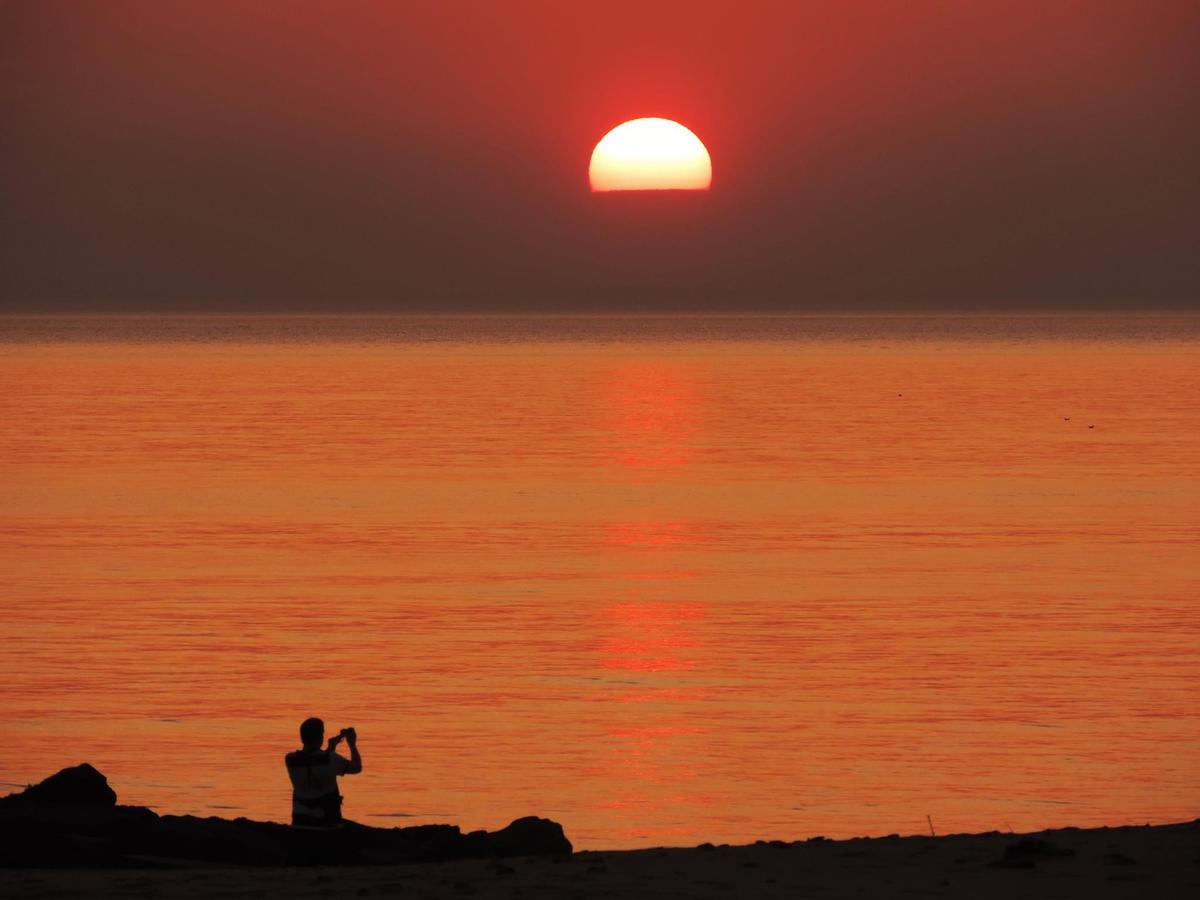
261 156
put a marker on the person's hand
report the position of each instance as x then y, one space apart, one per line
350 734
334 741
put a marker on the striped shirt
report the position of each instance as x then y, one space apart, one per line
316 802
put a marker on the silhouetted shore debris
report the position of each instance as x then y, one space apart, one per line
1027 852
72 820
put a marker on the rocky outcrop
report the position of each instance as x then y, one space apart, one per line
81 785
529 836
72 820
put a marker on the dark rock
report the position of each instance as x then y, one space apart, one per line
80 785
530 836
241 842
1025 853
71 820
1035 848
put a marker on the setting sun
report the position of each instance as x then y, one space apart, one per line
650 155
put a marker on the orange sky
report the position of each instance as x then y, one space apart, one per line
425 155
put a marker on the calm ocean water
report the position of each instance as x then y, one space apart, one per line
665 580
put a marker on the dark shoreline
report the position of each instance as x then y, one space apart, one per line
1161 861
67 837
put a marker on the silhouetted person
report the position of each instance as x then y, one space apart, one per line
316 800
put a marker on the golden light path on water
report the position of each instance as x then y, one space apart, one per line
664 590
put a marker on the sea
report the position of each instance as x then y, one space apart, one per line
663 579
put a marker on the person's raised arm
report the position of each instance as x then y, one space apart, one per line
355 759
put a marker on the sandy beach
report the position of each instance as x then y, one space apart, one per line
1134 861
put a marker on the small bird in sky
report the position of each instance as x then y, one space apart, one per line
1066 418
1091 426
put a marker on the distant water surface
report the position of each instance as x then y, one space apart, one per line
665 580
495 329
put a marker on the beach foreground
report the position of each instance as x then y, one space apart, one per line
67 837
1132 861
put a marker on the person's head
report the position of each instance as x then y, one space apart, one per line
312 733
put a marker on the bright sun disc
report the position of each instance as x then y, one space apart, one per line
650 155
